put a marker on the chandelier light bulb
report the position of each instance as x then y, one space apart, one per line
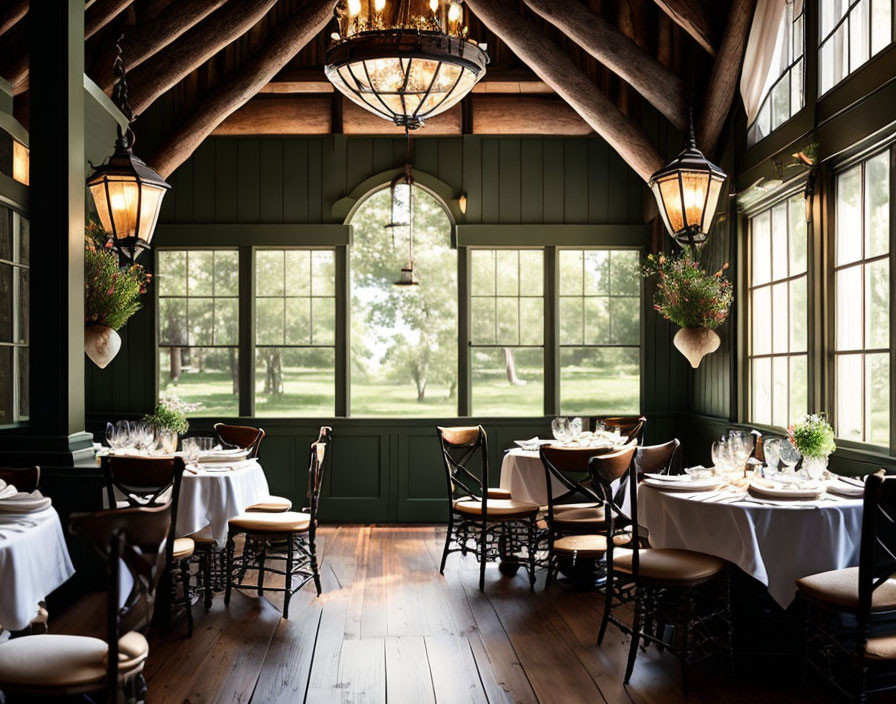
454 12
379 5
354 7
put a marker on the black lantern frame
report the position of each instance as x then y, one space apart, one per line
405 177
686 217
126 167
349 71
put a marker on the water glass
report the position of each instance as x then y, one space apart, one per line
560 429
166 440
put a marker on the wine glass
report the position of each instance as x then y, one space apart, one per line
191 450
560 429
740 443
789 455
575 427
166 440
772 453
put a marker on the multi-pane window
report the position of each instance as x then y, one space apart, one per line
507 331
862 302
852 31
199 328
783 95
779 317
295 323
600 331
13 316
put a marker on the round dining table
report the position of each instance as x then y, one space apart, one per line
34 561
776 542
522 474
211 494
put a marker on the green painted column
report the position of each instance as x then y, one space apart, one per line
56 326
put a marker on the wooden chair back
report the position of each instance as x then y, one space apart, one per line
877 554
657 459
460 447
605 470
146 482
317 461
133 539
25 479
244 436
569 466
629 426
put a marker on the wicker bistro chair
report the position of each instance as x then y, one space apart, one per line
155 481
287 537
668 587
851 613
630 426
496 528
574 520
48 667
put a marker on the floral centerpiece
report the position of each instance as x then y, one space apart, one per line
170 413
813 436
695 300
111 295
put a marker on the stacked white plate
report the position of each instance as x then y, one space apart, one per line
680 482
796 492
236 454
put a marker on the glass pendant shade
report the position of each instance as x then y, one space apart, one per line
687 191
404 60
128 197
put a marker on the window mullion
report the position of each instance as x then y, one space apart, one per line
246 316
551 332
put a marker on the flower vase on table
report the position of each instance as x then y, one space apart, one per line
813 436
815 467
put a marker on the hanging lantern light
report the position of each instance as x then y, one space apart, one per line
687 191
126 192
402 216
405 60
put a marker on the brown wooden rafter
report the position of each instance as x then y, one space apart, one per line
192 49
660 87
692 17
725 74
525 38
10 13
284 42
101 13
147 38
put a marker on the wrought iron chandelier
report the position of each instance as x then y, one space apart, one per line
405 60
127 193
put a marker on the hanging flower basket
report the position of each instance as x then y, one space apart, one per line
693 299
101 343
111 296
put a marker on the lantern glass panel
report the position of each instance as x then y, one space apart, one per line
694 187
715 188
150 206
671 202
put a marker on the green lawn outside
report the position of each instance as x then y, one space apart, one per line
309 393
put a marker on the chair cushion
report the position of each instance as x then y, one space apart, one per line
841 588
203 539
183 548
579 519
670 565
66 661
285 522
496 508
881 647
499 493
581 545
272 504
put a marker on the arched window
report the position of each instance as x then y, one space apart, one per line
403 339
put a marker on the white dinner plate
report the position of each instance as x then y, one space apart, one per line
835 486
689 485
225 455
811 491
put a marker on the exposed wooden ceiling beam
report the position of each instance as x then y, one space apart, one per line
14 62
725 74
357 120
11 13
525 38
192 49
284 42
526 114
101 13
661 87
692 17
280 115
149 37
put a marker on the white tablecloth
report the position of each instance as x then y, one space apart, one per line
522 473
774 544
33 562
212 498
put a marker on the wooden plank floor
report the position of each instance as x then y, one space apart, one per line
390 628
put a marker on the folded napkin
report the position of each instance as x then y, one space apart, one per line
844 488
7 491
24 502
